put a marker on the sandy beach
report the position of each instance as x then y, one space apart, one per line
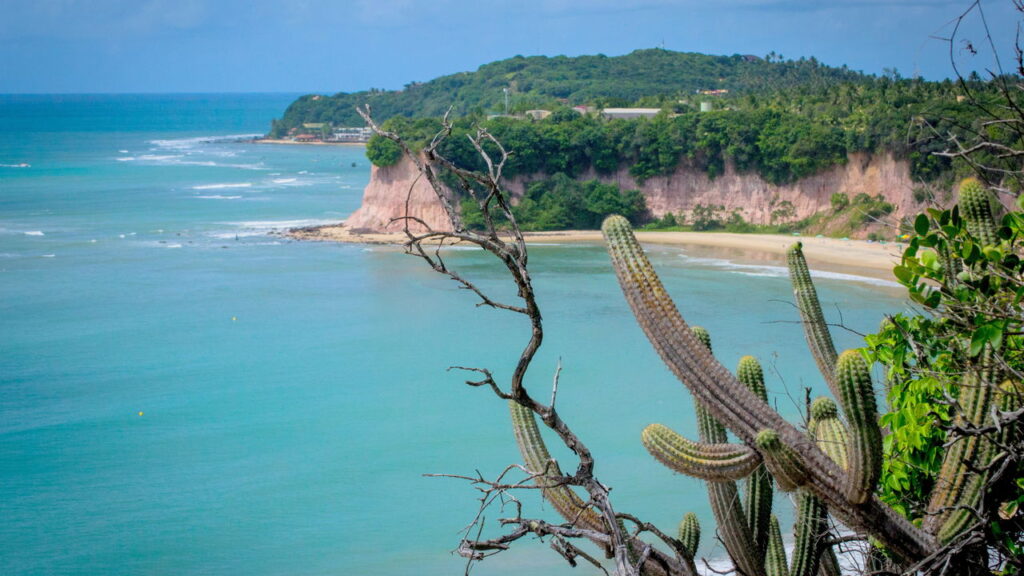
846 256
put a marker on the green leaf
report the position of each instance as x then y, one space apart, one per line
903 274
929 259
985 334
921 224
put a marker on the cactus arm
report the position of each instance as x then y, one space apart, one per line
758 486
819 340
732 403
958 486
976 207
828 431
864 451
538 461
689 534
775 560
710 462
811 528
785 464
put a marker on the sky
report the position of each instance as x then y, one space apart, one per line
329 46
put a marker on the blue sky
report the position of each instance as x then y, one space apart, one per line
328 46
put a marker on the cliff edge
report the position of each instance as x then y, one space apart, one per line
397 190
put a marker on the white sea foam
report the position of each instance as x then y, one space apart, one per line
122 151
173 245
34 233
48 256
217 197
19 165
270 225
222 186
187 143
237 234
284 180
768 271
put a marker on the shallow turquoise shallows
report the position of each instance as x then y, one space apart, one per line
183 392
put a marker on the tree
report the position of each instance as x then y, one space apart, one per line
383 152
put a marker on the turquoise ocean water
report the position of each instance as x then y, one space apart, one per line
183 393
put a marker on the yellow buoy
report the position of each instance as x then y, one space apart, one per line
140 413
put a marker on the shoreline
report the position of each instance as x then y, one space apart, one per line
294 143
871 259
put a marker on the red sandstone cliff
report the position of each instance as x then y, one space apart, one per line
385 196
394 192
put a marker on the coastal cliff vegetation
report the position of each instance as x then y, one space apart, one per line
784 120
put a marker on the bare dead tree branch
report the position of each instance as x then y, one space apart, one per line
485 189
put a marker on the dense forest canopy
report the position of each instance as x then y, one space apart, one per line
650 76
783 120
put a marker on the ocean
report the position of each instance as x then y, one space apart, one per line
185 391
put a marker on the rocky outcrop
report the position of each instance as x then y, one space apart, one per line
756 199
393 193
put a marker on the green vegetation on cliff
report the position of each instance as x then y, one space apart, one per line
783 120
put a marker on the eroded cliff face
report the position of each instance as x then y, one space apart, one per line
679 192
393 193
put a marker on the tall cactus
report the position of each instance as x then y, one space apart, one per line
793 458
958 487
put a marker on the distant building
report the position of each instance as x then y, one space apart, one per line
354 134
538 114
306 138
705 107
627 113
313 125
584 110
